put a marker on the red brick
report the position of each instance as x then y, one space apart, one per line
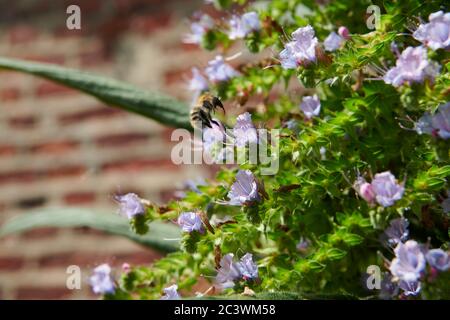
7 150
54 59
22 34
127 5
11 263
9 94
86 6
95 113
23 122
94 58
40 233
26 176
68 171
50 88
18 176
42 293
175 76
77 198
56 147
125 139
149 23
138 165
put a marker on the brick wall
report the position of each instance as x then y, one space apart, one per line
60 148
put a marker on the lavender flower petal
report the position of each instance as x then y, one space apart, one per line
130 205
436 33
409 261
310 106
244 190
219 71
397 231
244 131
438 259
247 268
101 280
171 293
386 189
190 221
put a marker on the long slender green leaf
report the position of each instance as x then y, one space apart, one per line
80 217
161 108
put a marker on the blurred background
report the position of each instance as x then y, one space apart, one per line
62 148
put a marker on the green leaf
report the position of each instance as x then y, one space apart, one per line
163 109
108 222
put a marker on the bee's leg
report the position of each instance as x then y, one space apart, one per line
217 103
205 118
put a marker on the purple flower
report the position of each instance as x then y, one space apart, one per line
198 29
386 189
130 205
424 124
198 82
364 189
333 42
244 190
244 131
409 261
240 27
438 259
412 66
247 268
344 32
171 293
302 49
388 288
228 271
410 288
219 71
440 121
436 33
101 280
288 58
190 221
213 141
397 231
310 106
303 245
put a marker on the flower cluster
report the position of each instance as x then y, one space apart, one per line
409 264
412 66
301 50
171 293
437 124
198 29
230 271
191 221
241 26
244 190
130 205
101 280
384 189
436 33
219 143
310 106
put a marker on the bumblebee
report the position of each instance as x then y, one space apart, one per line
201 112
